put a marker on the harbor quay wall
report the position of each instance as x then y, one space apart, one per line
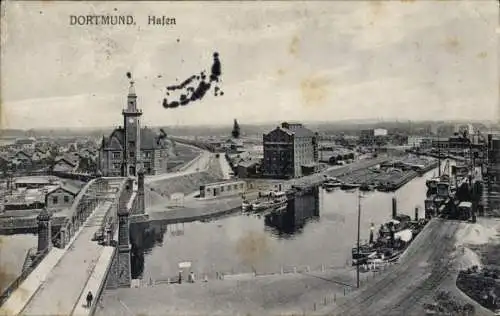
26 225
197 215
190 214
185 214
187 183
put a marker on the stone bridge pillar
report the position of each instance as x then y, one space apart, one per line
63 237
140 193
44 230
124 270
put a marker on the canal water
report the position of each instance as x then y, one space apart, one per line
315 230
13 250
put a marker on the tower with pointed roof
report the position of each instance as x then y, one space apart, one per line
132 132
131 148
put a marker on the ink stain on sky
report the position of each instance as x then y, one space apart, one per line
195 87
314 90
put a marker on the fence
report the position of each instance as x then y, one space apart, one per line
366 270
14 285
329 298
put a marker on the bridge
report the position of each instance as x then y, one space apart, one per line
90 250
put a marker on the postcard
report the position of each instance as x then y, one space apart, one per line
249 158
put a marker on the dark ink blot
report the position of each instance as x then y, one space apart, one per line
129 75
216 68
195 87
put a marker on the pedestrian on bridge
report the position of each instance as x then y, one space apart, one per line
90 297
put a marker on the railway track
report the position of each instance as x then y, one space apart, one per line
420 272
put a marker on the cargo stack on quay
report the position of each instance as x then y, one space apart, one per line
388 176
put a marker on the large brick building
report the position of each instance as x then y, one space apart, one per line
132 146
290 151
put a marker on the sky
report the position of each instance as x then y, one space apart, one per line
315 61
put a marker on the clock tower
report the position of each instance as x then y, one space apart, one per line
132 135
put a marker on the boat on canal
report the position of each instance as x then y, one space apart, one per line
275 201
245 206
393 239
332 183
350 186
366 187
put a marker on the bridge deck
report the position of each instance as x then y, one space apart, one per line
60 293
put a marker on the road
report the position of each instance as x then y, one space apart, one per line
225 167
63 286
426 266
287 294
198 164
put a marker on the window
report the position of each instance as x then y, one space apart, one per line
116 155
116 166
147 154
54 200
131 144
132 154
66 199
222 188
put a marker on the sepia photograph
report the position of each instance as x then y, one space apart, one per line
246 158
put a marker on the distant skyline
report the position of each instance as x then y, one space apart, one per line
315 61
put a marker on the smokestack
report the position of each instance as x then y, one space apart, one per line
394 207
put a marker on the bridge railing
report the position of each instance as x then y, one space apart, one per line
14 285
109 223
81 203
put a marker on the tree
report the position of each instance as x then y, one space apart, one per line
236 129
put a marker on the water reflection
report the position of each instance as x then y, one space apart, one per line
298 236
143 238
299 211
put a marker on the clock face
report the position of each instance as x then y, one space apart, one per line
131 120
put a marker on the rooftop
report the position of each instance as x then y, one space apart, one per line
149 139
224 182
36 180
28 196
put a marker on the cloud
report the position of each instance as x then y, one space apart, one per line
411 59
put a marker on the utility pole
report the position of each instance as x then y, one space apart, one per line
439 156
359 224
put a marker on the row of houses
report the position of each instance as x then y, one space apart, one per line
36 193
60 145
38 159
